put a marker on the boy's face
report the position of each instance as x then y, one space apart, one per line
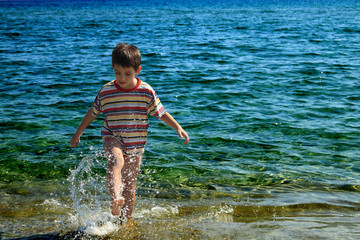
125 76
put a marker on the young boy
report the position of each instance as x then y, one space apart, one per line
126 103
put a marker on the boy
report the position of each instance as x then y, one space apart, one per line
126 103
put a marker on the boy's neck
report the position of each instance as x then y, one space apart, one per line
135 85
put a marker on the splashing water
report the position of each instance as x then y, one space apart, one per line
90 198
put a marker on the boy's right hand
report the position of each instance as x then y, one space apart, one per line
75 140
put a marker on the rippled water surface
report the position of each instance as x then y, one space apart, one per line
269 94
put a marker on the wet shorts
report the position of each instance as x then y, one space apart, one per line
126 152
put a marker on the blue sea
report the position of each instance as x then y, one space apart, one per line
269 92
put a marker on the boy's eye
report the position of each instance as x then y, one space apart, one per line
118 73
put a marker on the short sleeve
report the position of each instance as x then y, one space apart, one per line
155 108
96 106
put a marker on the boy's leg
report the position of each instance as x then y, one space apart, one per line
115 165
130 173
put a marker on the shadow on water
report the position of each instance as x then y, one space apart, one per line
55 236
49 236
74 235
130 231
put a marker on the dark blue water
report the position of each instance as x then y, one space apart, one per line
267 90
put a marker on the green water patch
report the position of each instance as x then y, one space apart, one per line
13 169
33 148
21 126
194 182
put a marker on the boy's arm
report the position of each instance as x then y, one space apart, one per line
171 122
89 118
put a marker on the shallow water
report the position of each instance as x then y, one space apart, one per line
269 94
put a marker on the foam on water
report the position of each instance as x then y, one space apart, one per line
159 211
106 228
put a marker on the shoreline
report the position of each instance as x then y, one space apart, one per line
251 215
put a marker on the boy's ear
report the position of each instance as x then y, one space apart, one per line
138 70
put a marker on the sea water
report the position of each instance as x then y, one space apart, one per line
267 90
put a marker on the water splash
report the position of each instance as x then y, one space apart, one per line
90 197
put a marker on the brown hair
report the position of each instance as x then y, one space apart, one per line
126 56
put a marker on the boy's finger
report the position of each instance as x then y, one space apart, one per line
187 139
74 144
184 134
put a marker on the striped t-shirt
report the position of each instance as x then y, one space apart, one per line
126 113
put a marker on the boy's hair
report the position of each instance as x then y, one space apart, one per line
126 56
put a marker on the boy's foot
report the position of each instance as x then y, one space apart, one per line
116 206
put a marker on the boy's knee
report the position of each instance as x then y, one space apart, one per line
115 164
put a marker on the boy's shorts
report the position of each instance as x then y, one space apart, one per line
127 152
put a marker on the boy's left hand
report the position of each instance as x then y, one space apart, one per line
171 122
